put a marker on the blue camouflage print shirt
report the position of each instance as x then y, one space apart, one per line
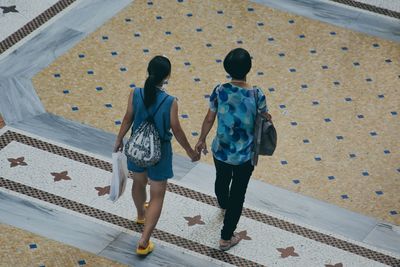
236 112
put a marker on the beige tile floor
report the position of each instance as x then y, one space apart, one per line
2 123
351 58
16 250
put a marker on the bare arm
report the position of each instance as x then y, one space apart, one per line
126 124
205 129
180 134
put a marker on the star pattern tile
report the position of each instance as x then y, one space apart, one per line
194 220
17 162
287 252
9 9
60 176
102 190
243 235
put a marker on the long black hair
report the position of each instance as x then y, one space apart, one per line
159 68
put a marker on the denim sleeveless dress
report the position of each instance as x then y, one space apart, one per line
163 169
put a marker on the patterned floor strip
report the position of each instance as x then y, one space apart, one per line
34 24
371 8
10 136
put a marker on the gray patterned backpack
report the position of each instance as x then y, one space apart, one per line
144 146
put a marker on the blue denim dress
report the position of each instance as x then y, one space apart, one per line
163 169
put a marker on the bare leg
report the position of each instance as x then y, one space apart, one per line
157 193
139 193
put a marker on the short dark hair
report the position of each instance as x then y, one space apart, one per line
237 63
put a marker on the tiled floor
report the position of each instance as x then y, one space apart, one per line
60 176
2 123
331 91
22 248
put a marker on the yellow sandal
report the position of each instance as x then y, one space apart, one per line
145 251
142 221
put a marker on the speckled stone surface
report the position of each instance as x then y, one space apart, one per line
22 248
333 93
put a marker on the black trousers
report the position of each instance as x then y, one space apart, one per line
230 189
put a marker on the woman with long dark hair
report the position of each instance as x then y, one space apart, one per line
141 103
234 104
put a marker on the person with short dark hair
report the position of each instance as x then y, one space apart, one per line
152 99
234 104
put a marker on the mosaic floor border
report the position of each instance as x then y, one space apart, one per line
10 136
371 8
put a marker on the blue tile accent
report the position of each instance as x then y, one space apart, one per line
284 162
137 34
178 48
104 37
132 85
313 51
66 92
339 137
368 80
57 75
32 246
229 26
327 120
365 173
75 108
180 1
260 73
220 12
324 67
394 113
375 45
331 177
117 122
348 99
336 83
386 151
281 54
239 42
292 70
250 9
195 133
373 133
302 36
150 3
108 105
271 89
271 39
206 96
199 30
146 50
209 45
123 69
218 60
317 158
128 20
282 106
189 15
184 116
260 24
81 55
187 63
356 64
228 76
296 181
332 33
90 72
306 141
360 116
304 86
379 193
196 79
344 196
81 262
352 155
393 212
293 123
291 21
168 33
114 53
344 48
388 60
158 17
381 96
315 103
99 88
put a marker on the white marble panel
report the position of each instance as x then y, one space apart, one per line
265 239
386 236
27 10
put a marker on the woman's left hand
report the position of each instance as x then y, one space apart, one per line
118 147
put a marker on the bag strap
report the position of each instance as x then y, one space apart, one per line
256 99
159 106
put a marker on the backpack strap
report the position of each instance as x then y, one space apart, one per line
159 106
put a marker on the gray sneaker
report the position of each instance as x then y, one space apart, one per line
226 245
